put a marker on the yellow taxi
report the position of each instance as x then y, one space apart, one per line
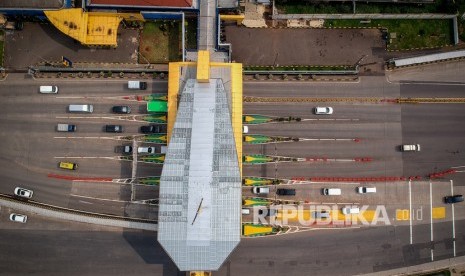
68 165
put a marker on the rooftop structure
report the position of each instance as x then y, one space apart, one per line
90 28
142 3
200 186
428 58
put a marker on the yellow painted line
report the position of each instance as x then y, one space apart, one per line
402 214
439 212
254 230
369 215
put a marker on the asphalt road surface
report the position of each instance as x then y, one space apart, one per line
47 247
31 152
33 147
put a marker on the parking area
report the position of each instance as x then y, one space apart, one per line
39 43
281 47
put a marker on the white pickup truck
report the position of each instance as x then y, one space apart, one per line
66 128
140 85
415 147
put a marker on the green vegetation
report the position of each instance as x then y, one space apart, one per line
461 21
2 40
175 41
191 33
407 34
160 42
302 6
299 68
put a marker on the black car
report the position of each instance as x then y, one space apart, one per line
121 109
114 128
453 199
286 192
150 129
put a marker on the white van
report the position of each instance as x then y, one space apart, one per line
331 191
85 108
366 190
415 147
48 89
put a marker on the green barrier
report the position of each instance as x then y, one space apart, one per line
159 118
156 138
154 158
256 119
256 201
259 181
256 159
156 97
150 180
257 139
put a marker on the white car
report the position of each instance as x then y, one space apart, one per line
261 190
18 218
350 210
320 110
366 190
23 192
245 129
48 89
146 150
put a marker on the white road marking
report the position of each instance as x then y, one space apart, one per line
340 203
85 157
86 202
105 199
458 167
65 137
459 171
410 209
323 182
435 83
453 216
330 119
431 215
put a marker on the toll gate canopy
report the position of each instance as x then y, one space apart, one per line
200 185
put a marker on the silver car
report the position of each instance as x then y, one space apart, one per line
21 192
321 215
261 190
18 218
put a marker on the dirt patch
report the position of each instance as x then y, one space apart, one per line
159 42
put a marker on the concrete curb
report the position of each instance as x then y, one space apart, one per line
452 263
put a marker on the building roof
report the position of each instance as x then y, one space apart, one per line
144 3
200 185
429 58
32 4
89 28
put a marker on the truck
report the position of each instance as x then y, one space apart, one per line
66 128
141 85
415 147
